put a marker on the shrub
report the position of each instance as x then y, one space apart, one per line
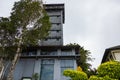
111 69
75 75
95 78
101 78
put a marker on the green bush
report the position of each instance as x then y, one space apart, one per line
95 78
101 78
111 69
75 75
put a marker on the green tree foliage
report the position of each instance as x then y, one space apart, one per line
75 75
111 69
27 25
84 57
101 78
35 76
7 38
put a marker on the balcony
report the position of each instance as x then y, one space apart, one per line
51 56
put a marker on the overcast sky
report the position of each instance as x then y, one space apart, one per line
94 24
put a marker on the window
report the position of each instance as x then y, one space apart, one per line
55 19
66 64
49 53
47 69
58 23
66 53
57 39
116 56
57 31
30 53
58 15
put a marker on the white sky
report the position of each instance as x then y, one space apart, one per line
94 24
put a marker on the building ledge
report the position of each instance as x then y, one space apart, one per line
51 56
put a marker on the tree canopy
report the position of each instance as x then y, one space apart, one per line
111 69
27 25
84 57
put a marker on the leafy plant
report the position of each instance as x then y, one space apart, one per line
111 69
84 57
35 76
75 75
100 78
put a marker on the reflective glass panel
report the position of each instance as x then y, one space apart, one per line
47 70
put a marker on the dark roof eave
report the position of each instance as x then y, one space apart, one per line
105 55
107 52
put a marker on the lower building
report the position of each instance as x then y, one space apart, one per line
112 53
48 62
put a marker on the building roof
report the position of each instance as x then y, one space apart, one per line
55 7
107 51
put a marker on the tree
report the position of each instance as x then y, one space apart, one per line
27 25
84 57
7 34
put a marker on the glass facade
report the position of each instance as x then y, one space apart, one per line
49 53
66 64
29 53
66 53
47 70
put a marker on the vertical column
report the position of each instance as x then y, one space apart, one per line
61 27
73 52
75 64
38 52
57 70
37 67
59 52
57 67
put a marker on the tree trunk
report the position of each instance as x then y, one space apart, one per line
15 60
1 67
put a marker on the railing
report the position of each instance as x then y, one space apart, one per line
51 56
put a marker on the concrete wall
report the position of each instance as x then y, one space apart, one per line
24 68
